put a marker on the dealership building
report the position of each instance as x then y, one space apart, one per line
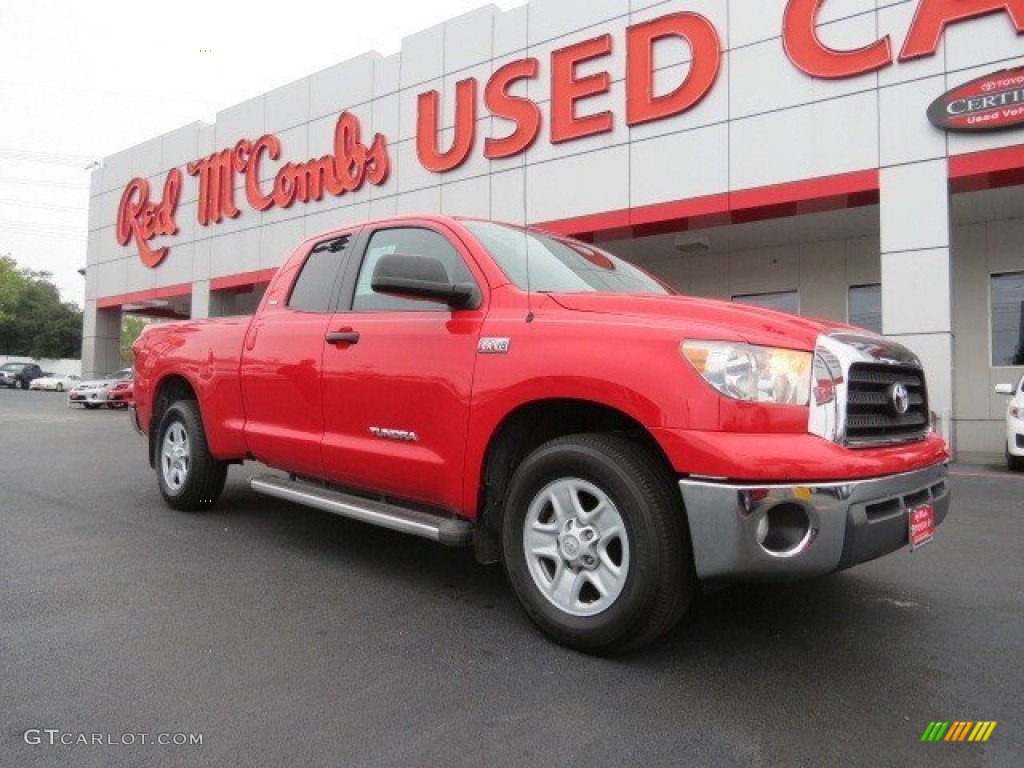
856 160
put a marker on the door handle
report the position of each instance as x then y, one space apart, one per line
343 337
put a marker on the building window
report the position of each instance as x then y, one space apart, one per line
865 307
1008 319
788 301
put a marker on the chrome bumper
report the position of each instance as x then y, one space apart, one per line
765 532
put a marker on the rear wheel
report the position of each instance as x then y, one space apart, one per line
595 544
190 478
91 406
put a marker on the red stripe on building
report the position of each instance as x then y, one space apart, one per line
136 297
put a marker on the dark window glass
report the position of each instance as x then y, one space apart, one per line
1008 319
865 305
544 263
411 242
314 288
788 301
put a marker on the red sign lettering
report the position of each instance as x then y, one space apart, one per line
642 105
346 170
523 112
933 16
567 89
806 51
465 128
140 220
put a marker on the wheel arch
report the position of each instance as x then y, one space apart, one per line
169 389
525 428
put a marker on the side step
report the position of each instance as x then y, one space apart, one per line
444 530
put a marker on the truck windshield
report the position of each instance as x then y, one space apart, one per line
559 264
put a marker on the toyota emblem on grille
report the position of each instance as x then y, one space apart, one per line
899 399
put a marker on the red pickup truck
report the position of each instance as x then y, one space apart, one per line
614 444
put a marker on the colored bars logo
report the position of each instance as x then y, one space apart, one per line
960 730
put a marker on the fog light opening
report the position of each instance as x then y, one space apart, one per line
784 530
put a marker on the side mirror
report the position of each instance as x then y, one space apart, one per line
1004 389
421 277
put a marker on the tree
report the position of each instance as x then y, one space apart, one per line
34 322
131 327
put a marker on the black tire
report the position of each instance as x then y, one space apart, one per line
1014 463
91 406
21 383
203 479
660 580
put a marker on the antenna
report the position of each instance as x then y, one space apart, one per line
526 247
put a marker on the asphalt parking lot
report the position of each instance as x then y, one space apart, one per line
285 636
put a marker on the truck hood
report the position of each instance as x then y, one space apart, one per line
706 318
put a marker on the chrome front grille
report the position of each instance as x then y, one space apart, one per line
872 415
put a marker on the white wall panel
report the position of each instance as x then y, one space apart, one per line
409 107
894 20
288 106
714 11
805 142
146 158
508 197
342 86
614 62
471 197
176 268
243 121
764 79
915 207
179 147
1001 41
613 101
117 171
387 75
421 201
549 19
469 38
234 253
423 56
679 166
278 240
713 108
906 135
594 182
510 31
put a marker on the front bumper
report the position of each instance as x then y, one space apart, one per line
815 528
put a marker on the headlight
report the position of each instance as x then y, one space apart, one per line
753 374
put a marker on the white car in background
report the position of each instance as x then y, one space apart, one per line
1014 424
93 394
56 382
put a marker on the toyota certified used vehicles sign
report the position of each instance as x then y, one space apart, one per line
990 103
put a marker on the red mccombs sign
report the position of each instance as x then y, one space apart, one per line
354 163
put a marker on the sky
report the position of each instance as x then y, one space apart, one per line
83 79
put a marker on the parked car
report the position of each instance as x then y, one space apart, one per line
19 375
93 394
121 394
56 382
1014 424
614 444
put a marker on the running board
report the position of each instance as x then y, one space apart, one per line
444 530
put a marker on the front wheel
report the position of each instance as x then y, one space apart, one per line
91 406
595 544
190 478
1014 463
